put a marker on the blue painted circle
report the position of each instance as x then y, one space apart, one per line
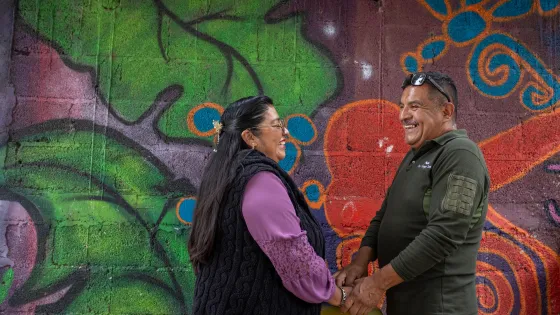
433 49
411 64
203 118
466 26
291 156
186 210
313 193
547 5
513 8
301 129
438 6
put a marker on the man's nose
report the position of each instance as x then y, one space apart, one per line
404 113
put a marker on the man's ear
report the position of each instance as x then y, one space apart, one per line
448 110
248 137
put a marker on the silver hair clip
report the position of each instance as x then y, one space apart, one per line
218 127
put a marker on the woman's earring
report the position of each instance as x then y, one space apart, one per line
254 145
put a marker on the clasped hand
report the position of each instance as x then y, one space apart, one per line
366 293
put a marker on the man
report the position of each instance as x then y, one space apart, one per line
427 233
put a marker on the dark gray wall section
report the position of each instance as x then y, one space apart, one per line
7 99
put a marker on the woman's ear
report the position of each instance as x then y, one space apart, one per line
248 137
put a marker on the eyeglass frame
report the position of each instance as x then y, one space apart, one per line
419 78
282 125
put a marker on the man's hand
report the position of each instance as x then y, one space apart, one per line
366 295
368 291
350 273
356 269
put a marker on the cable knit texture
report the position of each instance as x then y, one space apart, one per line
239 278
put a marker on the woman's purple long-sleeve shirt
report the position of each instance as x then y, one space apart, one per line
273 223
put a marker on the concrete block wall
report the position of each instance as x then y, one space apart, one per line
106 112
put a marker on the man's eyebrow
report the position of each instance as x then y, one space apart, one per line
412 102
416 102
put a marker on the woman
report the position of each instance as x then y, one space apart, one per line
254 244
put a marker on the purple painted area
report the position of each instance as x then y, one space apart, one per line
80 101
21 237
553 168
521 202
553 211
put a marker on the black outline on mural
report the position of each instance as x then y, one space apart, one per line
159 39
172 93
226 50
181 186
295 12
89 126
25 294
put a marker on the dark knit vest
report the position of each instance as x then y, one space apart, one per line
239 278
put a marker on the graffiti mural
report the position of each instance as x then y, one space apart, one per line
497 63
112 125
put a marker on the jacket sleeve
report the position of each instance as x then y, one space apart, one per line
273 223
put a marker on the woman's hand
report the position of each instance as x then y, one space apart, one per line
336 299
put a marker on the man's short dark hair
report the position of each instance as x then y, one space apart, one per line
447 84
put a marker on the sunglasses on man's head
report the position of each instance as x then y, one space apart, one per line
417 79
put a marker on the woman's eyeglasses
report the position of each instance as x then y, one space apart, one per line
279 124
417 79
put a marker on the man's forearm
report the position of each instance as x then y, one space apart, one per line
388 277
364 255
371 235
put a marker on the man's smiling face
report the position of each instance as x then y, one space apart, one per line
421 115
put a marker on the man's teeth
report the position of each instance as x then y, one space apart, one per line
409 126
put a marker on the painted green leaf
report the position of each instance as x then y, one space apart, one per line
6 284
100 198
95 297
141 296
217 51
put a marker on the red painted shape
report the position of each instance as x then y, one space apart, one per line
524 268
512 153
363 147
48 89
503 300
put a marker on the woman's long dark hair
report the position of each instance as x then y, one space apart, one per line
245 113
